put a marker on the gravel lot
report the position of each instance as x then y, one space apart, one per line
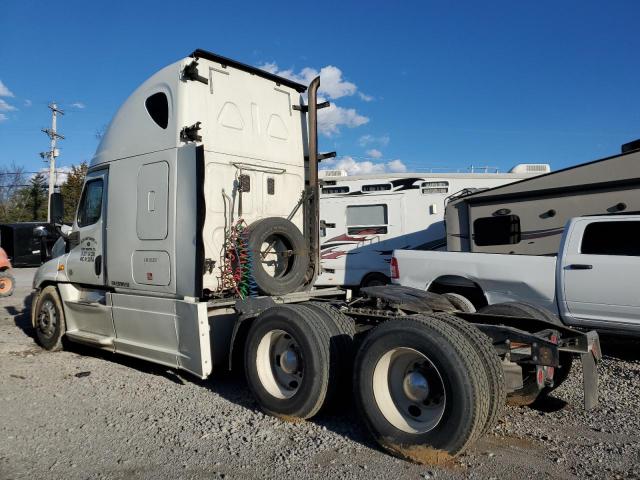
85 414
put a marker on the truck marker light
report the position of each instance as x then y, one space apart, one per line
60 267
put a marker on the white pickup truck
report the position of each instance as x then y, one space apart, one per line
594 281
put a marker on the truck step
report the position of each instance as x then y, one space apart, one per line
92 339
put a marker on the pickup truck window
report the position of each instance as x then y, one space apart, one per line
367 219
90 203
611 238
500 230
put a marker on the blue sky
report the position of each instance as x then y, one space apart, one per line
432 84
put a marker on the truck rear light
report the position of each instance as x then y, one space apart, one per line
395 272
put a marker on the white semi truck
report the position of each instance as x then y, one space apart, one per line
196 245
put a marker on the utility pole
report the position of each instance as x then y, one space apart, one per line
53 152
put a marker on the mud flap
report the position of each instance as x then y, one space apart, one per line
590 372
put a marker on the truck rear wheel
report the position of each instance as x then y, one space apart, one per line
49 319
288 361
461 303
7 283
421 389
342 329
491 362
530 391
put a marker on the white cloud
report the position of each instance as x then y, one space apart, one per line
5 107
332 84
3 117
364 97
396 166
366 140
374 153
4 90
355 167
78 105
28 103
330 119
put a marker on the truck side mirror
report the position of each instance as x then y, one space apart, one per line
57 208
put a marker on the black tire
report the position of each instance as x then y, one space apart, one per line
530 391
492 364
375 279
462 380
291 252
49 320
461 303
343 329
312 340
7 283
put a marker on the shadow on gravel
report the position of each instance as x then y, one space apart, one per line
619 347
548 404
22 317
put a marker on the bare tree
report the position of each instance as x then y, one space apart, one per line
12 179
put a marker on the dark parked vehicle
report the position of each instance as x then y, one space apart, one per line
27 244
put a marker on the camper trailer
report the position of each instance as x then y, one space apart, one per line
528 217
196 244
364 218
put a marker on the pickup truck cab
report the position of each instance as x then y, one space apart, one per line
592 282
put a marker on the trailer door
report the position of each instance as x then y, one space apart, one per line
86 259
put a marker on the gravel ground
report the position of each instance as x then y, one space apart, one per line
85 414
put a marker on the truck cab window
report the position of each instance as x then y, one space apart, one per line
367 219
611 238
90 203
158 108
500 230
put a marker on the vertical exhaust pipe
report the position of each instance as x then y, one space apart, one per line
313 193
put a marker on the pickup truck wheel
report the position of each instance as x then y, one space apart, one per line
420 389
491 362
462 304
49 319
530 390
7 284
287 361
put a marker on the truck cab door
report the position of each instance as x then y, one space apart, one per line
85 264
600 272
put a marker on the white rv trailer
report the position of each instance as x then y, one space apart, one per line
364 218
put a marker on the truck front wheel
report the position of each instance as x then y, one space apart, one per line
287 361
49 319
421 389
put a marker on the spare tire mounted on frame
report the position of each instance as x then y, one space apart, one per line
280 255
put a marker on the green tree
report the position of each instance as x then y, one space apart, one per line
71 190
29 203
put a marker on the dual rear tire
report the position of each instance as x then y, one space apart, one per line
426 387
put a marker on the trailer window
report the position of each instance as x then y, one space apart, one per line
91 203
158 108
434 187
367 219
331 190
500 230
380 187
611 238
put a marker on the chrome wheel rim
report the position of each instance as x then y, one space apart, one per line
47 318
409 390
280 364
